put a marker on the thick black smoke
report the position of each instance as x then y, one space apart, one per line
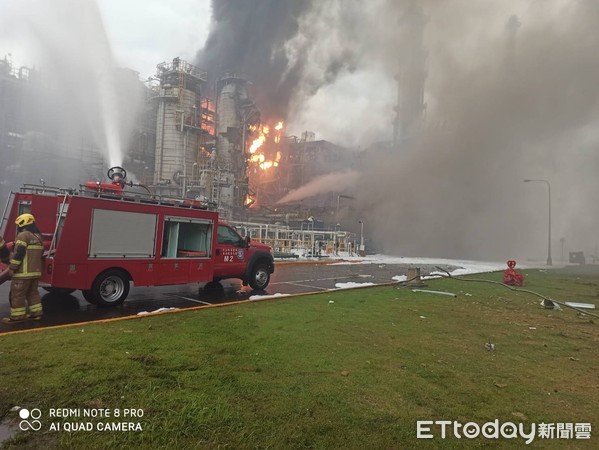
275 44
247 38
502 106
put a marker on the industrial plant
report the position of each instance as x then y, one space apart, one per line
205 138
185 142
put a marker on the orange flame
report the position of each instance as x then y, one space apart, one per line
257 156
257 143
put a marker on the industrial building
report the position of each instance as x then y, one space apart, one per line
182 143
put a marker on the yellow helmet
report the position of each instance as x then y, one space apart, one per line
24 219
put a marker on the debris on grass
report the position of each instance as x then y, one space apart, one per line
581 305
548 304
426 291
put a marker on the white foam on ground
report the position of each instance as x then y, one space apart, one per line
143 313
351 285
465 266
261 297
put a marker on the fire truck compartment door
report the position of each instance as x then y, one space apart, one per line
122 234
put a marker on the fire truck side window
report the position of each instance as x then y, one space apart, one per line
227 236
186 239
24 207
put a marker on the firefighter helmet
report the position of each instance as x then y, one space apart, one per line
24 220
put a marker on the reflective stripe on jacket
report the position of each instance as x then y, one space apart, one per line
27 258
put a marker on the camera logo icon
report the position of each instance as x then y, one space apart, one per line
30 419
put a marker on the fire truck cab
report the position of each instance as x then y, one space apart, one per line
101 240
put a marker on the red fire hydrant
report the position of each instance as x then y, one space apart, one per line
511 277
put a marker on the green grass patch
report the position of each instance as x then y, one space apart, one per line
344 369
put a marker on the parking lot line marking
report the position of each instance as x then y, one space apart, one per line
318 279
190 299
307 285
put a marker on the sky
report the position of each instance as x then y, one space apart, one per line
145 33
142 33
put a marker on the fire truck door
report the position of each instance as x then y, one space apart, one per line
231 253
185 255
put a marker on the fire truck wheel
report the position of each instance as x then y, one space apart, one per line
89 296
260 277
110 288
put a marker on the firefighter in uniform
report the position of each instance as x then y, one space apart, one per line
26 269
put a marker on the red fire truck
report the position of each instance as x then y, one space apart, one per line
102 237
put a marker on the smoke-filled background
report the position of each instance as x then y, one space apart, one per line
502 106
499 112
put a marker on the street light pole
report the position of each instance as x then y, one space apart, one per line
361 236
549 261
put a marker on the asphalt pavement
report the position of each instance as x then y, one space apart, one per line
289 278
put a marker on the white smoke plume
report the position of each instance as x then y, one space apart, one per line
500 110
331 182
68 41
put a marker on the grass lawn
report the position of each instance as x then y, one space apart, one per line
344 369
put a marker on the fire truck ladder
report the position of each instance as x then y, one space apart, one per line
61 213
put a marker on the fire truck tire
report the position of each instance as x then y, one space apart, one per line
89 296
110 288
259 277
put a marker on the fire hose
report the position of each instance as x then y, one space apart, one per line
582 311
